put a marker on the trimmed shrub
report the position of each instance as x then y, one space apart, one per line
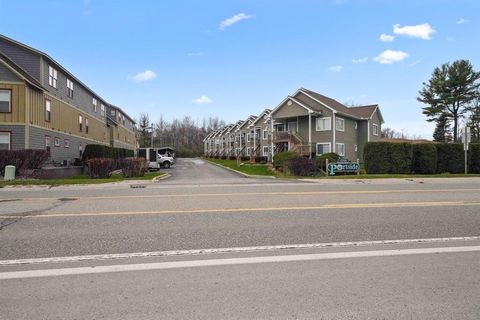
280 160
133 167
302 166
99 167
424 158
244 158
401 158
474 158
321 160
377 157
232 158
261 160
101 151
28 159
450 158
223 157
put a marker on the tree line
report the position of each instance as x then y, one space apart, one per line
184 135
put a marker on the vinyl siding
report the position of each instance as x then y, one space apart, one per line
17 104
26 59
289 111
7 75
64 118
17 137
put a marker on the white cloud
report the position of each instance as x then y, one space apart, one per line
386 37
360 60
462 21
422 31
390 56
336 68
145 76
202 100
232 20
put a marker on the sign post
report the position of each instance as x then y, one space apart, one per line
466 139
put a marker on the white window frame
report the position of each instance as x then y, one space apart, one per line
266 154
56 142
341 120
7 134
48 142
356 125
66 143
69 88
356 148
323 143
265 134
86 125
296 126
248 152
375 129
327 120
102 110
48 110
95 104
80 123
9 100
52 76
339 146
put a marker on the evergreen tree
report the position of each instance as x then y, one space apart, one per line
144 131
442 129
449 92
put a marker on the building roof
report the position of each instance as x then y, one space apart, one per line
265 112
20 71
360 112
123 112
46 56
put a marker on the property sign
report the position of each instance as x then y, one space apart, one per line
342 167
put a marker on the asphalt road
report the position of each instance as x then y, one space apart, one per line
202 206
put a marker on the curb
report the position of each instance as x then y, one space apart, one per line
162 177
242 173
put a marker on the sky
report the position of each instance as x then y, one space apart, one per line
230 59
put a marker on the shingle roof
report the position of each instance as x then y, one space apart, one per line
362 112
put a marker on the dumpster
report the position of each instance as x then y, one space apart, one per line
9 173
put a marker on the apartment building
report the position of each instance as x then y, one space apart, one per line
44 106
310 124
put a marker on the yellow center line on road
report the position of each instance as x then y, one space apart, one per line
242 194
265 209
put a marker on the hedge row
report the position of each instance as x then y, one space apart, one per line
426 158
101 151
23 160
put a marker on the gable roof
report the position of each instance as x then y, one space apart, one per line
20 71
361 112
265 112
248 121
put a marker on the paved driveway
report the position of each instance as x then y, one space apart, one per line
198 171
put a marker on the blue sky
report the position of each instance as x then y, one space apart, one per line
235 58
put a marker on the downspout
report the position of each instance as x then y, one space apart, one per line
368 130
309 135
334 128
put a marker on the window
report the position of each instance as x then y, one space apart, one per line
5 140
112 113
52 76
56 142
48 142
80 150
48 110
356 125
323 148
102 110
266 151
340 148
340 124
86 125
356 148
265 134
70 88
375 129
248 152
324 124
67 143
5 101
80 122
123 120
94 103
248 137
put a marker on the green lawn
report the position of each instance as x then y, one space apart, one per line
77 180
255 169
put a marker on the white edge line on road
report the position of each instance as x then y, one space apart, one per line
228 250
232 261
